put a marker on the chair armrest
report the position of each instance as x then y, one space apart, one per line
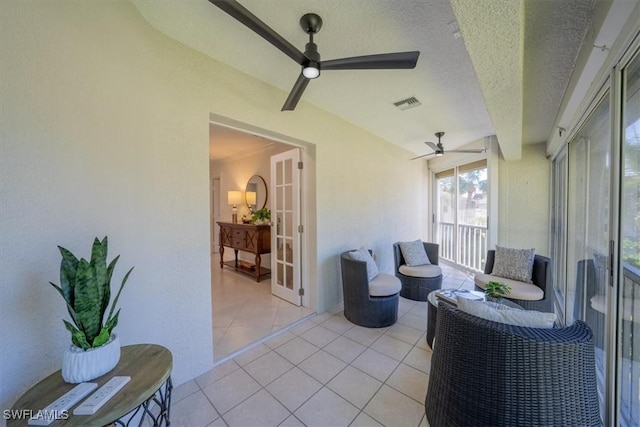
491 257
398 259
432 250
541 274
354 273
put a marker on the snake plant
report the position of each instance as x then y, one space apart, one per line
86 289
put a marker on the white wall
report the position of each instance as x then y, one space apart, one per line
369 195
523 220
104 131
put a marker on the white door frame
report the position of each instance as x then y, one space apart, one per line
308 241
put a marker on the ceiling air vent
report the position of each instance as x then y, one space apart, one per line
408 103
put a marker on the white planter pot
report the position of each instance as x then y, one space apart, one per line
80 366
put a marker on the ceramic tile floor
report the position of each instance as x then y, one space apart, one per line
244 310
323 371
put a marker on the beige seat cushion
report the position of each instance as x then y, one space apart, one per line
384 285
519 290
426 271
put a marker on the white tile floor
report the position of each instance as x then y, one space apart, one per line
324 371
244 310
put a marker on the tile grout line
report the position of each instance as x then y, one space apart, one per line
262 340
324 385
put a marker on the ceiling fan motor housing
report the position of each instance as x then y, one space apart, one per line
311 52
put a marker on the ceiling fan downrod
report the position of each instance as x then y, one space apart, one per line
311 24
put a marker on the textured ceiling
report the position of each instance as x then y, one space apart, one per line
505 76
548 63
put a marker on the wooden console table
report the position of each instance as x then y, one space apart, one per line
147 395
249 238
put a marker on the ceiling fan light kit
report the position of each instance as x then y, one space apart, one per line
311 71
310 59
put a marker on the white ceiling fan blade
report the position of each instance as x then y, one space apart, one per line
423 156
433 146
475 150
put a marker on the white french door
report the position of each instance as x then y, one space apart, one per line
285 223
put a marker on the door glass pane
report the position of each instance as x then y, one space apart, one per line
288 171
279 223
288 251
280 275
445 211
288 197
288 224
280 249
588 231
279 173
559 230
472 216
280 198
289 280
461 209
629 292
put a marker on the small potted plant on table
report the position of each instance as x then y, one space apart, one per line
495 291
86 288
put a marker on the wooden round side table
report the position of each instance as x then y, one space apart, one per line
146 396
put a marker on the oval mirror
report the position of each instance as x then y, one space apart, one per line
255 193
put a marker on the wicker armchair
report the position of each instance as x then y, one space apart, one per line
359 306
541 277
485 373
417 288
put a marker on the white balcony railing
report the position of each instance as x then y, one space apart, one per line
471 242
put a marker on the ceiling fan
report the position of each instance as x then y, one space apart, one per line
438 149
310 58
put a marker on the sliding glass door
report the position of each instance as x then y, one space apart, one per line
596 238
629 283
559 178
461 214
586 289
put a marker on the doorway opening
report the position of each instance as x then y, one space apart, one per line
245 310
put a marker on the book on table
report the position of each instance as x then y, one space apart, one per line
452 295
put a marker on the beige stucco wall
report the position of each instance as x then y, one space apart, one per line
104 131
523 206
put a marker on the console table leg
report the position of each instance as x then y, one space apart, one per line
258 260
